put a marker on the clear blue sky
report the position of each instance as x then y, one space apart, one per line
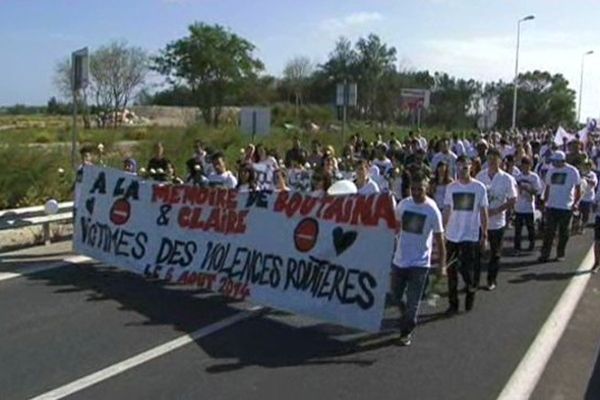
464 38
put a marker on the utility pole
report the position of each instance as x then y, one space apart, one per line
516 80
79 81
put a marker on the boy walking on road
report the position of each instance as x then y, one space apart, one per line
419 221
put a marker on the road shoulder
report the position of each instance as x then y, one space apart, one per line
574 368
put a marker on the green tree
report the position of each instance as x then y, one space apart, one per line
544 100
340 66
118 71
212 62
375 62
342 63
296 76
452 101
262 90
55 107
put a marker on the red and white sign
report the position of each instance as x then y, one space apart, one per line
120 212
415 98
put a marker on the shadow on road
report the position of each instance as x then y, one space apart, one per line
271 341
547 276
593 389
259 341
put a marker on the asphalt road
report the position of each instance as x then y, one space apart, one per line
59 325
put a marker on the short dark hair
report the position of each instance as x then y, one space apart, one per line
494 152
419 179
86 149
463 159
217 155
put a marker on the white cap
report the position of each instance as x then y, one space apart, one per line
558 156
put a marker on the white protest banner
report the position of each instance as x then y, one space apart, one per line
326 257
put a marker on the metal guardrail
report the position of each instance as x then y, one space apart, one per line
35 216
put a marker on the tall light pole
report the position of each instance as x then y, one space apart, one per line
514 113
581 84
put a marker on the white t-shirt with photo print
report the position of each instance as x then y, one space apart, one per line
500 189
265 171
465 203
561 183
526 184
415 241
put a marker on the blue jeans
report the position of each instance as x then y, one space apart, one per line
409 282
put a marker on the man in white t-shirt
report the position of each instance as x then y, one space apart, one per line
561 198
589 184
221 177
466 224
502 195
363 181
381 161
422 141
458 147
444 154
529 186
419 221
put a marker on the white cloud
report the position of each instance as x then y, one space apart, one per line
349 24
493 57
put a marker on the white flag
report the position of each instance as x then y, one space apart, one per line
560 134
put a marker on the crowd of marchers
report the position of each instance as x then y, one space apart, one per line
453 196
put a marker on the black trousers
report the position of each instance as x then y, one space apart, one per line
463 258
495 238
527 220
560 220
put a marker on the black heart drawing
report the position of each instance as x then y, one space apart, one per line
343 240
89 205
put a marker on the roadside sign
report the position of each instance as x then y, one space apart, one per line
346 94
255 121
415 98
80 67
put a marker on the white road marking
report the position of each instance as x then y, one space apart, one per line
144 357
525 378
39 268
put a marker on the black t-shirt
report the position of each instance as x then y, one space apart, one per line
295 155
156 164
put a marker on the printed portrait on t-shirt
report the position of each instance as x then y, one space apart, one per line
558 178
413 222
264 175
463 201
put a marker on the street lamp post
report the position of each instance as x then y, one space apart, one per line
514 113
581 84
